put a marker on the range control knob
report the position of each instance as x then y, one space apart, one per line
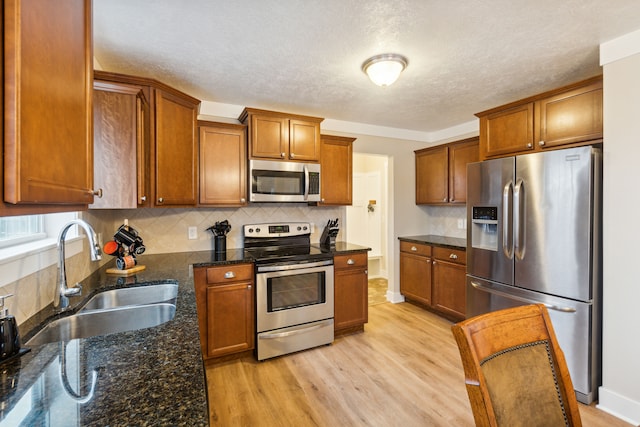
257 230
299 228
250 230
304 228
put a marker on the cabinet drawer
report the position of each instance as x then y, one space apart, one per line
230 273
355 260
415 248
452 255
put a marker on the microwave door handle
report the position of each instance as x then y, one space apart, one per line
306 182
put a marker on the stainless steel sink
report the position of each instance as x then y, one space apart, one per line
106 321
137 295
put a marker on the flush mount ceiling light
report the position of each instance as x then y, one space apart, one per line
384 69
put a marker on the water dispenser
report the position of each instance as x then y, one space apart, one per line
484 227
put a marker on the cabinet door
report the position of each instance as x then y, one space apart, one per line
449 288
415 277
304 140
229 318
351 298
223 165
571 117
432 176
269 137
336 160
48 63
175 151
459 156
508 131
118 139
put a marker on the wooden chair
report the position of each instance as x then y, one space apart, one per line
515 372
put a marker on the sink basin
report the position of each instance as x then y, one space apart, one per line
137 295
106 321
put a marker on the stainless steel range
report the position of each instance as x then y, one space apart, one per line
294 288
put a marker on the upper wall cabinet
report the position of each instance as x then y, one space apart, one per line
151 128
565 117
282 136
48 144
223 164
120 136
336 162
441 172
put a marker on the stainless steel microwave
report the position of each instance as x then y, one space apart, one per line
278 181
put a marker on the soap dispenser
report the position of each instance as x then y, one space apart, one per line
9 337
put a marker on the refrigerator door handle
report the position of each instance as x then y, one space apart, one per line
507 219
484 288
519 199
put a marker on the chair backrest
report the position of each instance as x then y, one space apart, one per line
515 371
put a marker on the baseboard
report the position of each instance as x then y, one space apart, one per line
619 406
395 297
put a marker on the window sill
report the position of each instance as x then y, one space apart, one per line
20 261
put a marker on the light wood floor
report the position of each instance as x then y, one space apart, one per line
404 370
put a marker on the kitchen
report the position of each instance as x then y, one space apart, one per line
165 230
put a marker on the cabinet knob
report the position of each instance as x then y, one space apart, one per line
529 145
248 286
366 272
242 200
350 261
282 155
160 200
229 275
433 262
143 198
541 143
445 199
413 248
291 155
453 256
97 193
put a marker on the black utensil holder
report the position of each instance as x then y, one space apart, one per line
220 243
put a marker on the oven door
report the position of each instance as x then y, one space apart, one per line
294 294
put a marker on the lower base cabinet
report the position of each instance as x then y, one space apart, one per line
434 277
351 292
225 298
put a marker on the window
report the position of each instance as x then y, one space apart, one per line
16 230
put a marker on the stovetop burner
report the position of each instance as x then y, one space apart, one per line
281 243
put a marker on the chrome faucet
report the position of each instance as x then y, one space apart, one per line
61 298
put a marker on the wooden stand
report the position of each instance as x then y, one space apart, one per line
127 272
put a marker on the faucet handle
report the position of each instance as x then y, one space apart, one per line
73 291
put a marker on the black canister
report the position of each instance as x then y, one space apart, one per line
220 243
9 337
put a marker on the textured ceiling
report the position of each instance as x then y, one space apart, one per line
304 56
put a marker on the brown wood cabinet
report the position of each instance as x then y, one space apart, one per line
225 302
434 277
449 281
351 292
282 136
121 144
168 174
415 272
336 165
565 117
48 65
223 164
441 172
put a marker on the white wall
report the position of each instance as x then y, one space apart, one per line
620 391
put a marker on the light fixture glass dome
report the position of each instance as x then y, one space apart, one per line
384 69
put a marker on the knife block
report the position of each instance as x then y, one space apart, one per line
328 237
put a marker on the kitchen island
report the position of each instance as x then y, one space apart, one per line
151 376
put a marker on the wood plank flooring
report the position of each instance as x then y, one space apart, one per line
404 370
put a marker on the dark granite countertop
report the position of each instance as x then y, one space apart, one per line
342 248
152 376
444 241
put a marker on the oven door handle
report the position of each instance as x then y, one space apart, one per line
274 335
296 266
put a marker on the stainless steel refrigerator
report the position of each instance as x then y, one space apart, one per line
534 236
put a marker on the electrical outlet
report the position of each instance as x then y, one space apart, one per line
193 233
460 223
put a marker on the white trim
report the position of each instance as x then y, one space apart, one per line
620 48
616 404
32 257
